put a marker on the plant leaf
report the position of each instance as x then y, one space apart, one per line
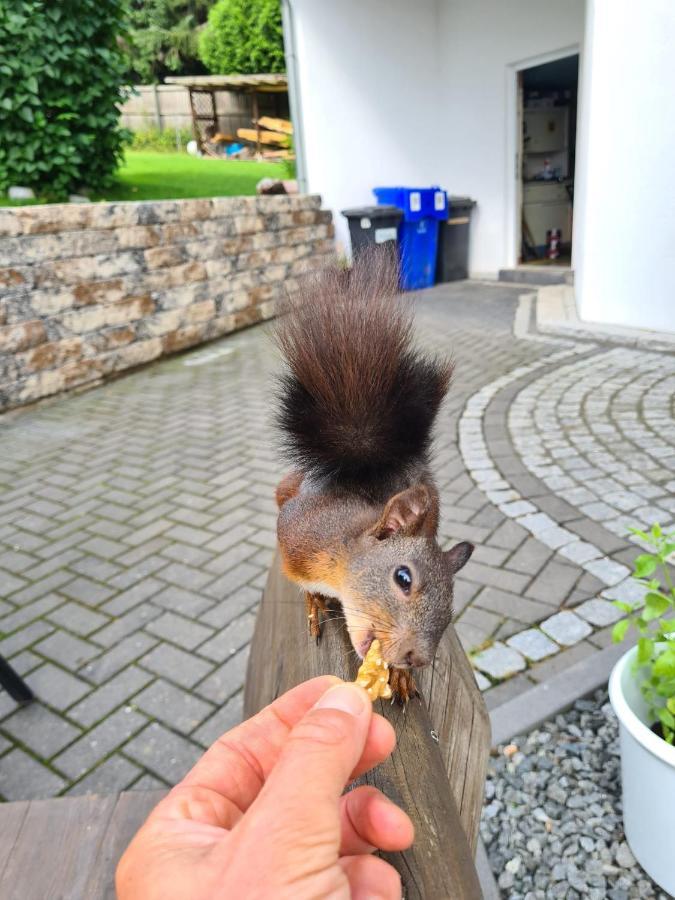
645 564
619 630
645 650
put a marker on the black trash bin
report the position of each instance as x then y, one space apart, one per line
372 226
452 262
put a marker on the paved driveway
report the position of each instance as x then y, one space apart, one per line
137 524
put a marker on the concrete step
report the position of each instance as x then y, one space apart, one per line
537 275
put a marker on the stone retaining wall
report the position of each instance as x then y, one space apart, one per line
90 290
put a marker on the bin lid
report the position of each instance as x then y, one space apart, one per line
373 212
461 202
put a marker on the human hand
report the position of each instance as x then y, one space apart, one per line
262 813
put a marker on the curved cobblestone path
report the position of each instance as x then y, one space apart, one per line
137 523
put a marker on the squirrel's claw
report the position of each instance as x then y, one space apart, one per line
402 685
314 604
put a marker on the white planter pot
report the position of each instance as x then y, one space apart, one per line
648 778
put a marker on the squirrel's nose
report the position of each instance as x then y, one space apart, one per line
414 659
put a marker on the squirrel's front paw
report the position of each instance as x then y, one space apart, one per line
314 604
402 685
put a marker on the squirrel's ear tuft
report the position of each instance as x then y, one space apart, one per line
459 555
404 514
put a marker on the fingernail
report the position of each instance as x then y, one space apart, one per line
348 698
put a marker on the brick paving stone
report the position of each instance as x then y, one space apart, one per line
99 742
513 605
115 774
228 609
553 583
185 669
530 557
566 628
236 578
463 593
232 638
598 612
93 567
173 706
482 682
228 716
508 535
499 661
56 687
41 730
104 699
533 644
607 570
179 630
142 615
475 626
112 661
29 613
502 578
166 754
25 661
78 619
188 556
185 576
71 652
10 583
186 603
23 778
86 591
226 680
130 598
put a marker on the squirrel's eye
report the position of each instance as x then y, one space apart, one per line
403 578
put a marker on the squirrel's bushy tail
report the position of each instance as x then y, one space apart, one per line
357 400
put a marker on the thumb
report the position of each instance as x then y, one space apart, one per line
320 754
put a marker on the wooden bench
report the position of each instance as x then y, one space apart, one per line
68 848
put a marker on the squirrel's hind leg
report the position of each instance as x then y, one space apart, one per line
402 685
314 603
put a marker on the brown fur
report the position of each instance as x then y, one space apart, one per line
361 506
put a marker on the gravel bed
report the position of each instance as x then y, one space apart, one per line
552 822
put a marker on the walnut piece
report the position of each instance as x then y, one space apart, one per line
374 673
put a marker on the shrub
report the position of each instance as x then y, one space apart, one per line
243 37
61 77
655 627
166 141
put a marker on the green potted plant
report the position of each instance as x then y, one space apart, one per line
642 693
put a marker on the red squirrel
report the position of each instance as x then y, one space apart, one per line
358 515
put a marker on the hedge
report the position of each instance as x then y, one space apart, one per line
62 73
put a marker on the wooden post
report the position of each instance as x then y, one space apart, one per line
256 117
454 731
158 110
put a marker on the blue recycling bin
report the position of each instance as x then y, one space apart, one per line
423 209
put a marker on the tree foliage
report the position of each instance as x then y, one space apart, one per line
163 37
61 77
243 37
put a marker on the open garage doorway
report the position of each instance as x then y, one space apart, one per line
547 124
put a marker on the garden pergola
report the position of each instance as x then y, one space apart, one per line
202 90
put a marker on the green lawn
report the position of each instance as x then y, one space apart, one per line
168 176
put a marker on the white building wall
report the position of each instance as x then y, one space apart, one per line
368 71
483 44
625 202
420 93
